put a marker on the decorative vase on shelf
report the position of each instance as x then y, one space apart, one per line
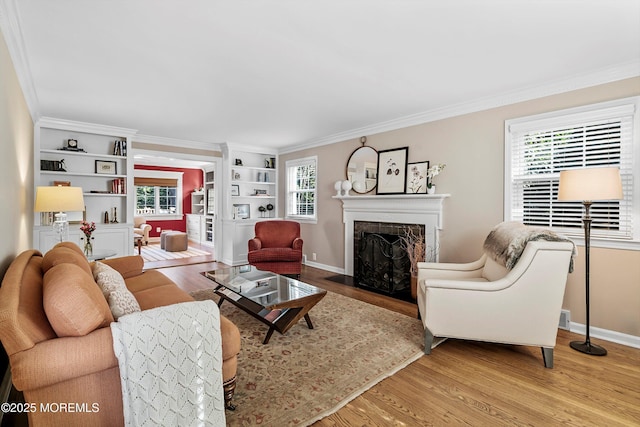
338 187
431 190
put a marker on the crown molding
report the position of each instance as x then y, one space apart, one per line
12 32
54 123
568 84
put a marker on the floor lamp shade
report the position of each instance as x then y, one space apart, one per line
587 185
590 184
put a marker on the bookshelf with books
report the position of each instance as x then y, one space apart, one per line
95 158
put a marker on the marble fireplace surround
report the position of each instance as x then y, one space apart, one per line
423 209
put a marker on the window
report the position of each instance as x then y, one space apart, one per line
158 194
536 150
301 188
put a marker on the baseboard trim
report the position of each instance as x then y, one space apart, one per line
324 267
606 334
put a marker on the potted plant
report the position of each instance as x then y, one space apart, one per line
88 228
432 172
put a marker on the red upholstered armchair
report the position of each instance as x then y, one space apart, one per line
277 247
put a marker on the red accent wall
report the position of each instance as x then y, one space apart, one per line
191 179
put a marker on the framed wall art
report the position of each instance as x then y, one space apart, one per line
417 177
392 171
235 190
241 211
106 167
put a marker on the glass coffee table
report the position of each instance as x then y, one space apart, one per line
275 300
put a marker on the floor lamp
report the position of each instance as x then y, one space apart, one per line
587 185
59 199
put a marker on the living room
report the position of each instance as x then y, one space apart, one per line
469 137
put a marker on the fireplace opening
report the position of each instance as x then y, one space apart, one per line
383 265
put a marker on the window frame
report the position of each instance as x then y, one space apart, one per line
289 178
146 173
631 152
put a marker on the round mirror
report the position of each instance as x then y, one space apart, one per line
362 168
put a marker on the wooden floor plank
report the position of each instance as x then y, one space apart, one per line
471 383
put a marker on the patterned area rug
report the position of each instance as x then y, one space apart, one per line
307 374
151 253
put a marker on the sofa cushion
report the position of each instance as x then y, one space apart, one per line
113 287
65 255
147 280
161 296
275 255
73 303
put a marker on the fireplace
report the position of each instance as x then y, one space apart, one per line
422 209
381 263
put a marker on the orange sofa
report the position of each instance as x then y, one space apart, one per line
54 325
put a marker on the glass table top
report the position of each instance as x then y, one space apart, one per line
262 287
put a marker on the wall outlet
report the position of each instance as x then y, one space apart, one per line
158 229
304 258
313 256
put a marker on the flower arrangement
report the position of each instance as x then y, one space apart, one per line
432 172
87 228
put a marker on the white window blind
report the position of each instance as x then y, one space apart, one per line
539 148
301 188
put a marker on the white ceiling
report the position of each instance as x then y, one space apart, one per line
290 72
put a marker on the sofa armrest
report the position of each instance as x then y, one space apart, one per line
255 244
127 266
62 359
297 244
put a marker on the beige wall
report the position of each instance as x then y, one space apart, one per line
472 146
16 173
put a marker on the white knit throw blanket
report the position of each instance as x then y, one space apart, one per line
506 242
170 361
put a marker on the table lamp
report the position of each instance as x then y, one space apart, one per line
59 199
587 185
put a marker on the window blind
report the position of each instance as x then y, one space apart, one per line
301 186
155 182
540 149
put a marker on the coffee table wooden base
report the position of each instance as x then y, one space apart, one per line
297 309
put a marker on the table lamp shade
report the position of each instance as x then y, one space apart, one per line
59 199
590 184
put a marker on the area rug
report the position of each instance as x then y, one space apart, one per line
307 374
151 253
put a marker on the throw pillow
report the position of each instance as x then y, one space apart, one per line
121 300
73 305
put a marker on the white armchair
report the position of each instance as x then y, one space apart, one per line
141 228
484 301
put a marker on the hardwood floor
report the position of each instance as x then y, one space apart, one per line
472 383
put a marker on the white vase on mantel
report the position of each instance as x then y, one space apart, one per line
431 190
346 186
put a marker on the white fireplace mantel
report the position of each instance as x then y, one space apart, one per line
423 209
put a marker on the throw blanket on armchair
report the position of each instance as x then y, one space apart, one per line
506 242
170 361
